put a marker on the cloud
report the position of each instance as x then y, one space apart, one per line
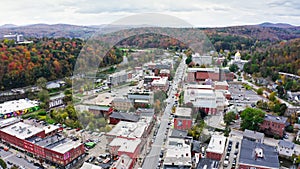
196 12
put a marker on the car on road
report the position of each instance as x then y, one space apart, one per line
10 163
19 156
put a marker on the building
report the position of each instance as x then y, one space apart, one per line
122 104
285 148
141 99
201 60
165 73
215 74
202 99
178 154
102 111
119 78
17 107
206 163
253 136
160 84
216 147
183 118
221 85
221 101
120 146
124 162
274 125
43 143
90 166
257 155
150 79
56 101
117 116
128 130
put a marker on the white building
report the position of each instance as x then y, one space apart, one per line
216 147
160 84
119 77
286 148
16 107
178 153
201 60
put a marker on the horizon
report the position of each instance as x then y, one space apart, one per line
257 24
215 13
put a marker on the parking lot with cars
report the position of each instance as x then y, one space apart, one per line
243 97
232 153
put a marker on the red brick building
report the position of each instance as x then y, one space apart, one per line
274 125
201 74
216 147
183 118
31 139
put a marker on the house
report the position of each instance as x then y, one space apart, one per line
253 136
183 118
274 125
257 155
285 148
216 147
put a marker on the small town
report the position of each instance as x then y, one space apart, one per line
93 84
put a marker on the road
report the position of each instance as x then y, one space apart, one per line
151 160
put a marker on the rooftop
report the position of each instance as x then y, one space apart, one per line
64 145
119 99
90 166
178 152
8 121
22 130
286 144
197 86
277 119
50 128
161 81
222 83
15 105
216 144
178 133
125 145
128 129
206 163
124 116
253 134
183 112
249 154
123 162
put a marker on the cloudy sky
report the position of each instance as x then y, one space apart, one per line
198 13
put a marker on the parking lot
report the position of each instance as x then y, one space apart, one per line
232 151
242 97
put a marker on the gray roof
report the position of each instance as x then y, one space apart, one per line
287 144
211 164
125 116
145 110
277 119
247 154
196 146
178 133
253 134
122 100
101 108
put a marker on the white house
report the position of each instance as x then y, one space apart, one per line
285 148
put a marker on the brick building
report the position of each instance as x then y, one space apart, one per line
274 125
183 118
216 147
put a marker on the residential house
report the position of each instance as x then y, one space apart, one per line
253 136
285 148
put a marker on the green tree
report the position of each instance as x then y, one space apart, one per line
260 91
229 117
233 68
44 97
272 96
41 83
252 118
3 163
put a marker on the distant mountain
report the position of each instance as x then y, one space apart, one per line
276 25
8 26
264 31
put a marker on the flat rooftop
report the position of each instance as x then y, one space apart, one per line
22 130
50 128
277 119
216 144
178 152
129 129
250 150
124 161
64 145
8 121
103 99
125 145
15 105
183 112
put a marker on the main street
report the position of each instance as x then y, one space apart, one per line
151 160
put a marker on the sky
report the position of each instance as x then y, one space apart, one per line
198 13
